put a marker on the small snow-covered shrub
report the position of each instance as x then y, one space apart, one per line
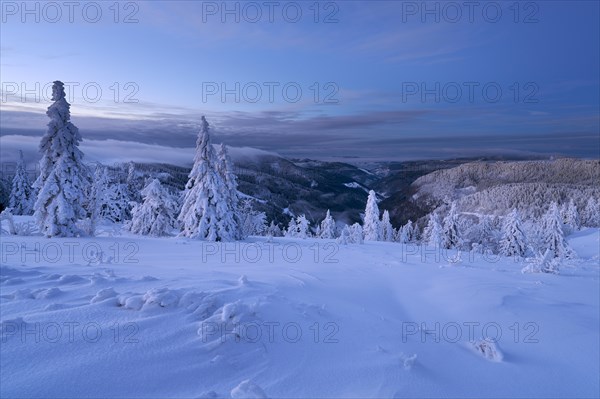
6 216
543 263
488 349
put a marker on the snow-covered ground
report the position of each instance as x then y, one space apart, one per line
171 317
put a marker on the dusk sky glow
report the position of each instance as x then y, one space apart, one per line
388 80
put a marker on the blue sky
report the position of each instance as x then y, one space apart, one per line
542 55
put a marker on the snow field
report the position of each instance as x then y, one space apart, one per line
174 317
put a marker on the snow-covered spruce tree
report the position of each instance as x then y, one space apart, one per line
252 222
345 237
21 195
207 210
327 230
357 233
102 195
552 235
4 194
64 180
571 218
155 216
406 233
273 230
97 196
371 223
451 234
513 241
225 168
302 224
134 183
592 213
292 229
121 208
433 233
483 236
317 230
109 200
386 230
542 263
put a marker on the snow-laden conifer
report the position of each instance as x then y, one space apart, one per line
386 229
513 241
206 212
21 195
64 180
327 229
371 228
156 214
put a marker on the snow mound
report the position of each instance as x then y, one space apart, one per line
72 279
408 361
231 321
488 349
21 294
156 297
247 390
163 297
47 293
103 295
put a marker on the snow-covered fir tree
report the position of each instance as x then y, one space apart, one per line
109 200
274 230
483 236
552 235
345 237
21 194
208 210
327 228
591 213
98 197
386 230
513 241
302 224
225 167
102 196
371 228
351 234
292 229
451 234
433 233
134 183
357 233
64 180
571 217
121 208
252 222
318 230
406 233
543 263
156 215
4 194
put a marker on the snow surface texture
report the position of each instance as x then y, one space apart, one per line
175 317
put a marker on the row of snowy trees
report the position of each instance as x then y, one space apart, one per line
67 200
211 208
544 239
